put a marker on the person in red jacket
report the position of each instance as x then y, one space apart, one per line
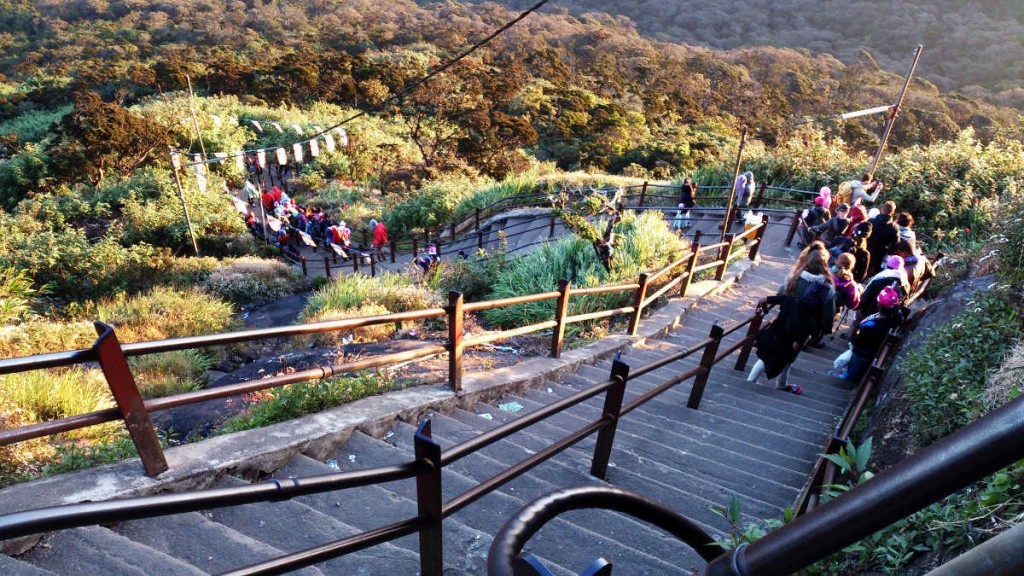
380 238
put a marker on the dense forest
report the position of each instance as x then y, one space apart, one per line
586 93
971 47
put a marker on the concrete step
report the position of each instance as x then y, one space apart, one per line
11 567
207 545
590 544
291 526
95 550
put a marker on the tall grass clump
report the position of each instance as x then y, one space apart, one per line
23 459
358 295
16 293
170 373
643 244
296 400
165 313
51 394
249 280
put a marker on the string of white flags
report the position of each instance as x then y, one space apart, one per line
281 155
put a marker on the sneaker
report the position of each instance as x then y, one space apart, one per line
793 389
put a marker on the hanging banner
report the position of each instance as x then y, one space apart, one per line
261 157
240 206
342 136
329 142
256 124
307 239
282 158
221 156
314 148
274 223
239 160
216 120
338 250
297 152
277 126
297 128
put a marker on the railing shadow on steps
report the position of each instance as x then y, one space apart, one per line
948 465
426 466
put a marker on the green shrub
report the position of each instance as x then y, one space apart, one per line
247 280
26 172
296 400
946 376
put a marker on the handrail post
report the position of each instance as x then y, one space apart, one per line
707 361
561 311
643 194
696 236
415 247
792 227
759 237
327 267
690 265
479 240
456 330
428 501
129 402
612 407
394 246
477 223
355 263
724 256
638 303
760 195
453 231
302 260
551 227
748 340
373 266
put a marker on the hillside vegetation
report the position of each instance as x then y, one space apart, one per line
972 48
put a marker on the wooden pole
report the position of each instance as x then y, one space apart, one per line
184 206
895 110
732 185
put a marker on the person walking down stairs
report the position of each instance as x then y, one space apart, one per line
380 239
806 310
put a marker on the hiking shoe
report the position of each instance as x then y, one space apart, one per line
793 389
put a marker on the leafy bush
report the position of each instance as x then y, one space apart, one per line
25 172
946 376
643 244
295 400
247 280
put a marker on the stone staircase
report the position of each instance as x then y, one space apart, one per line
745 441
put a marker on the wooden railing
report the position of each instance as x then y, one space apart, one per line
135 411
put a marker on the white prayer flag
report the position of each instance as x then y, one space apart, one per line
274 223
239 161
256 124
261 157
329 142
221 156
198 163
201 182
240 206
342 136
338 250
216 120
307 239
277 126
297 152
297 128
282 158
314 148
175 161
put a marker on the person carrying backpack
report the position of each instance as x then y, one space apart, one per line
871 333
806 309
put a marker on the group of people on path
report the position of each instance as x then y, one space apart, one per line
290 222
849 262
